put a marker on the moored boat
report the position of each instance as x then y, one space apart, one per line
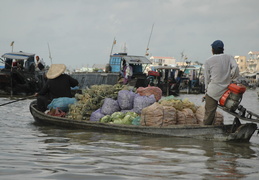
230 132
18 76
113 72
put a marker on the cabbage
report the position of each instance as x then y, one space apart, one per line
106 119
120 118
118 121
127 119
117 115
133 114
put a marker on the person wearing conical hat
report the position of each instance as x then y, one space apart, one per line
57 85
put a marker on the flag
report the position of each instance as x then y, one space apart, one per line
12 43
114 42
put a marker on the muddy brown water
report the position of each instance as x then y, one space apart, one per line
31 151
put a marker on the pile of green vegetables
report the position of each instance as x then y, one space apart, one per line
120 118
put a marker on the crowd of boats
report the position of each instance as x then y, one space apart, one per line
18 77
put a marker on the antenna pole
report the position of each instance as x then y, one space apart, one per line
149 40
12 43
113 43
50 54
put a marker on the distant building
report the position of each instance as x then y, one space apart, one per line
241 61
249 67
185 63
84 69
253 61
250 64
160 60
99 66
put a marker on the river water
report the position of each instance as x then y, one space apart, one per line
31 151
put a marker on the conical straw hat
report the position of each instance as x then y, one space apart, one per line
55 70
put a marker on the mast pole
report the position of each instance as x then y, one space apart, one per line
149 40
113 43
50 54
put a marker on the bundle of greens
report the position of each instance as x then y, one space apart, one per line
92 99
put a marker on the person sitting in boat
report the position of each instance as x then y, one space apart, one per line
57 85
39 66
219 71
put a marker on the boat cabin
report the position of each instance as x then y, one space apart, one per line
164 77
137 63
174 80
19 60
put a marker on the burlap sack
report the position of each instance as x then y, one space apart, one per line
219 118
169 116
186 116
158 115
147 91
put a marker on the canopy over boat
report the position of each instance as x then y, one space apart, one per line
165 67
18 55
131 59
136 60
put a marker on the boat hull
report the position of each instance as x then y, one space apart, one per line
208 132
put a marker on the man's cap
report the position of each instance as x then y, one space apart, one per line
217 45
55 70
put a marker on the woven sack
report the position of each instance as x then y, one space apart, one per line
158 115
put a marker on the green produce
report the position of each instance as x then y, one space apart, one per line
117 115
127 119
106 119
120 118
178 104
117 121
92 99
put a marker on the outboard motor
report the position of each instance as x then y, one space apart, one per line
232 97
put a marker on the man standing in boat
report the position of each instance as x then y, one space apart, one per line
220 70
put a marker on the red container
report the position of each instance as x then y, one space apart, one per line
238 89
153 73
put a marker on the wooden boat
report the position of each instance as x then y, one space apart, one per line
112 74
18 76
229 132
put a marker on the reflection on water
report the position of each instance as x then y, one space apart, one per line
33 151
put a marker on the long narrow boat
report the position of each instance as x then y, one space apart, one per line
230 132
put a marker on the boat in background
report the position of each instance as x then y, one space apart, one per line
18 76
176 80
113 72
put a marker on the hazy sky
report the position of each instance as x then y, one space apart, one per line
81 32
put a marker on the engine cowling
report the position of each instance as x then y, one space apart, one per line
232 97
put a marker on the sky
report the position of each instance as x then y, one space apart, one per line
80 33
